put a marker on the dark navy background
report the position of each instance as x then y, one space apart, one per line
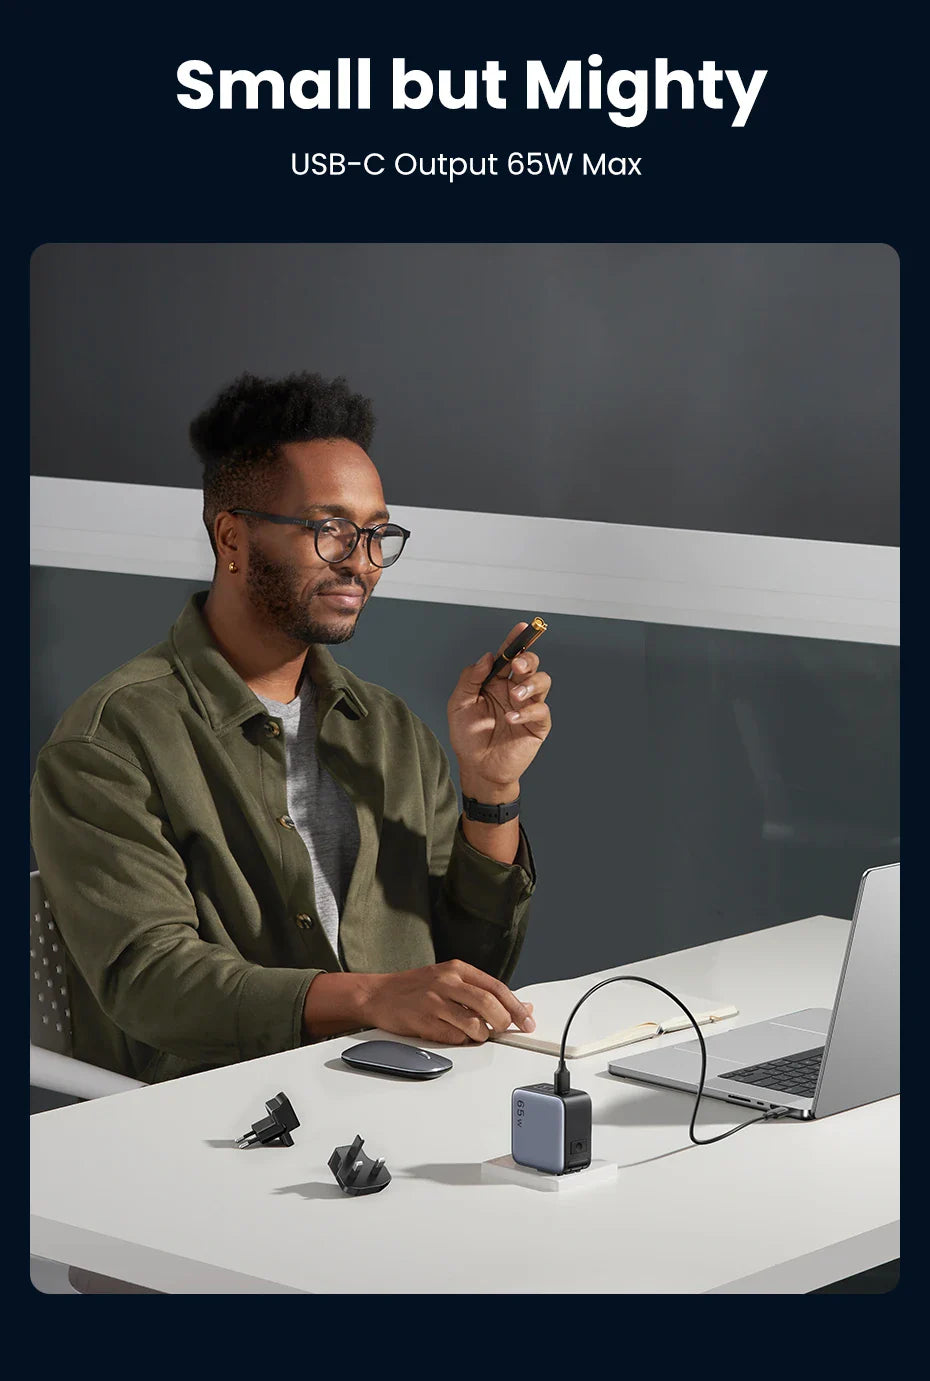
114 156
100 150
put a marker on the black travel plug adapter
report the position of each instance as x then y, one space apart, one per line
357 1173
550 1127
276 1128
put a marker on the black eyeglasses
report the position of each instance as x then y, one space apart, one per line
336 538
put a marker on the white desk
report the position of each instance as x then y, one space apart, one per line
146 1186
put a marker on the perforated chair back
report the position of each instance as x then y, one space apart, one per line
49 1007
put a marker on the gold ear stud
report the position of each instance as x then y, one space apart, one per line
233 567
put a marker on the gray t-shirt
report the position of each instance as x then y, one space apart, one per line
320 808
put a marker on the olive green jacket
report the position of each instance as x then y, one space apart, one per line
184 894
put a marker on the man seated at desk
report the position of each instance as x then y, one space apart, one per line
246 846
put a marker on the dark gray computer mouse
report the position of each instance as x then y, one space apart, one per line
393 1057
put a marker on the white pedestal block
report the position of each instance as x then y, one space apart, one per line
505 1170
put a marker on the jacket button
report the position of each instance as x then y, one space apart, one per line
287 822
304 921
272 728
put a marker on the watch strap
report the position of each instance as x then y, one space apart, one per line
490 815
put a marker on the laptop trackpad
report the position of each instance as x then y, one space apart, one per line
766 1040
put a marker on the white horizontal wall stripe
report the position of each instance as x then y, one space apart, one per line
523 564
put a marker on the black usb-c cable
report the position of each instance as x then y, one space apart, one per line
563 1083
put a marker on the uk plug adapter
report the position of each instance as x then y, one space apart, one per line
357 1173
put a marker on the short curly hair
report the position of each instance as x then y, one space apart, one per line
239 436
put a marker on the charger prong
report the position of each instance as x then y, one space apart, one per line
351 1175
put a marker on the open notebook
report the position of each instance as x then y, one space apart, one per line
619 1014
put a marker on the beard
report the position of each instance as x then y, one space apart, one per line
272 590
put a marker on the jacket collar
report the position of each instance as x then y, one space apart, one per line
219 691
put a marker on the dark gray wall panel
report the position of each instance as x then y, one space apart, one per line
697 784
734 388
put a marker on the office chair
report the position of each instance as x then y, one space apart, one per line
51 1064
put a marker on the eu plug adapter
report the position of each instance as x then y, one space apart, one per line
276 1128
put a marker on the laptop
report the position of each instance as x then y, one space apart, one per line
817 1061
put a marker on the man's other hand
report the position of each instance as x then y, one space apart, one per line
452 1003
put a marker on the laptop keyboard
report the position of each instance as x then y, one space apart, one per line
790 1074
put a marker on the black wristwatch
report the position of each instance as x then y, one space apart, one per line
490 815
